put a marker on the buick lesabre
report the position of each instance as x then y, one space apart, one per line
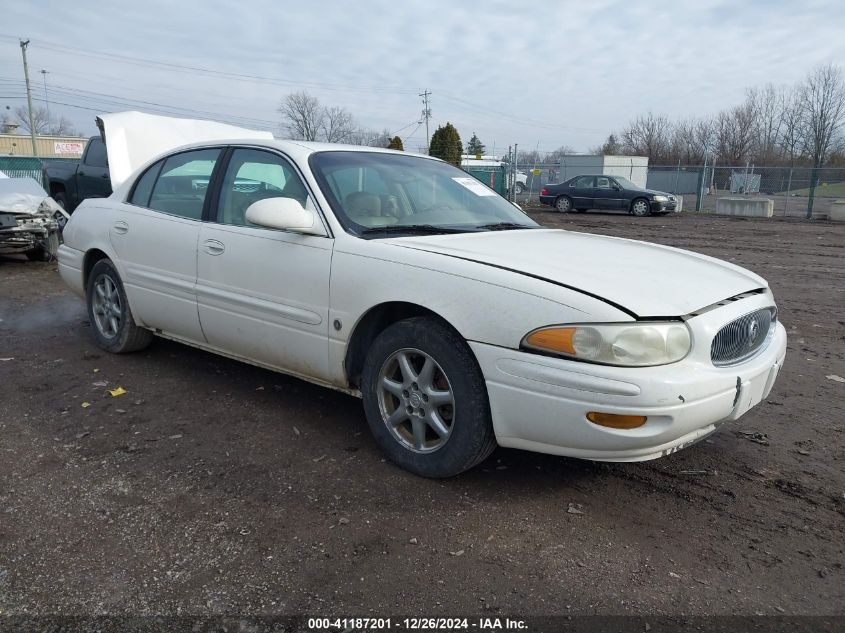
460 322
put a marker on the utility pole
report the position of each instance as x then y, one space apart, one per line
29 97
426 115
46 100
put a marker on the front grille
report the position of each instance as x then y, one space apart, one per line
742 338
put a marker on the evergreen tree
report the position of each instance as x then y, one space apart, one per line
396 143
475 146
446 144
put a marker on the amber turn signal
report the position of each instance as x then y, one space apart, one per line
614 421
557 339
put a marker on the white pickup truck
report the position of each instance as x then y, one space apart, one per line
521 184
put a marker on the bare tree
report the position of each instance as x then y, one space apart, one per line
560 152
43 123
338 125
647 136
821 100
767 103
40 120
791 132
303 116
735 133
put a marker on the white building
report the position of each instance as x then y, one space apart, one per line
634 168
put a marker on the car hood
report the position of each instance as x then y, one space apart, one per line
133 138
646 280
25 197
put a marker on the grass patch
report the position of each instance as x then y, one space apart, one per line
823 190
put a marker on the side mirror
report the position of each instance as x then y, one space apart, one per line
284 213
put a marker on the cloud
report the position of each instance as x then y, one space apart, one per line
530 72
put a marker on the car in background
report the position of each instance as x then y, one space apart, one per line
71 182
28 224
607 193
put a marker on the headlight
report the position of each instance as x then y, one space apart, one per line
661 199
625 344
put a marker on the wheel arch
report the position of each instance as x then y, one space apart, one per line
634 201
374 322
92 256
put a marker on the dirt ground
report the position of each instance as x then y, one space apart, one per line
214 487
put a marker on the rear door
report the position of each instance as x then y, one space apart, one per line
155 236
581 192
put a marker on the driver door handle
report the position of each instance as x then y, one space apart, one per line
213 247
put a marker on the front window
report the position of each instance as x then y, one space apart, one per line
373 193
254 175
625 183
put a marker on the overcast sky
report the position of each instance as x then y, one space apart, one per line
547 73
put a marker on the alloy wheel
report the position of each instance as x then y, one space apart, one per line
107 306
416 400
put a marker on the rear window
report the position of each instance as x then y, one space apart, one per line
96 156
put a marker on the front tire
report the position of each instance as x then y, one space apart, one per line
109 313
563 204
640 207
518 189
45 251
425 399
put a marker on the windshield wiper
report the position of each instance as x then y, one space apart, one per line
412 228
505 226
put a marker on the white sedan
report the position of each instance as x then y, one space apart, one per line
460 322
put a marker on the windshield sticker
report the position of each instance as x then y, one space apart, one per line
476 187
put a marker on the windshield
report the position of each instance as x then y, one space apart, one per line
372 193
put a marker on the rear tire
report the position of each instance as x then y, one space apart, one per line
518 189
108 310
563 204
426 400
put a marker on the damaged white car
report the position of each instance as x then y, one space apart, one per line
461 322
28 223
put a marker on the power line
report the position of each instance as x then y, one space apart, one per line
139 61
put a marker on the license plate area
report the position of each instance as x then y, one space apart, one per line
753 390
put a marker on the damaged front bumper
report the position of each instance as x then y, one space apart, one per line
20 232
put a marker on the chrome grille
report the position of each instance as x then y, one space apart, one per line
742 338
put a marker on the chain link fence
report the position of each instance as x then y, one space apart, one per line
29 167
792 189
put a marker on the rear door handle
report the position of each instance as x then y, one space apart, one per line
213 247
121 227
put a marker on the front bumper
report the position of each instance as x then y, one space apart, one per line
663 207
540 403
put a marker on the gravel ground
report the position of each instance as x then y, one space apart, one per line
213 487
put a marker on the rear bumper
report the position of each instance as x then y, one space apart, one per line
70 268
540 403
548 200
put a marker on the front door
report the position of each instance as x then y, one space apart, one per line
607 193
263 294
